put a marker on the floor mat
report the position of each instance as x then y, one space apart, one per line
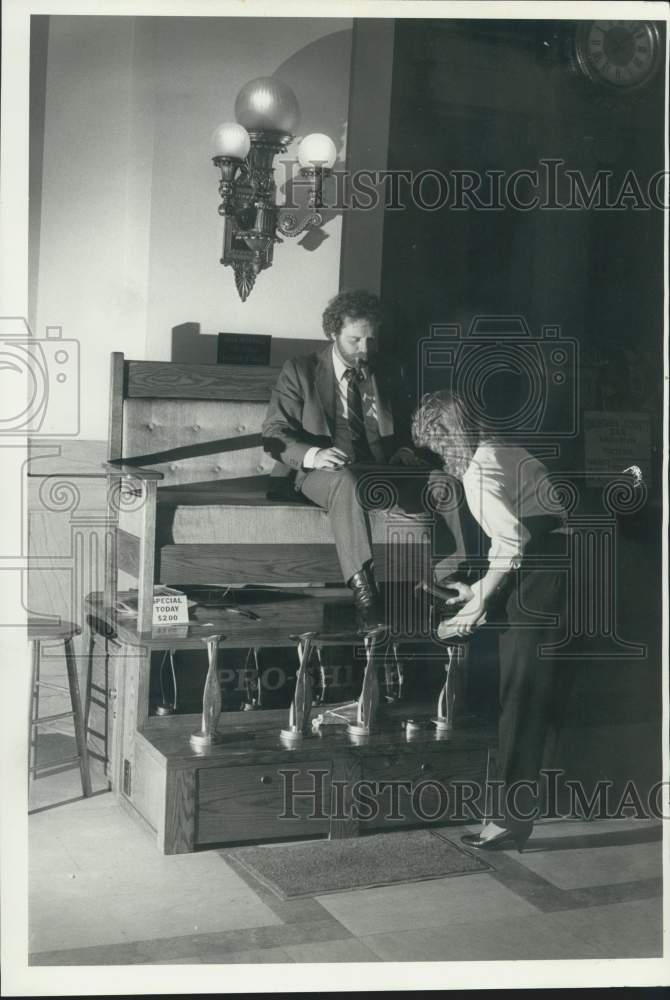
317 867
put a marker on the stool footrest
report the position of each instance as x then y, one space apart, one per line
61 764
52 687
52 718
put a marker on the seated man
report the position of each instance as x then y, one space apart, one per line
332 410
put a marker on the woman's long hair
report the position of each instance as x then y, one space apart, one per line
444 424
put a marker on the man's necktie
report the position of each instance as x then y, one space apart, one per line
356 419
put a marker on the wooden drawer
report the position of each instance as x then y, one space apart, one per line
251 803
431 795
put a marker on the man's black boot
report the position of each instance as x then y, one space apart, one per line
366 599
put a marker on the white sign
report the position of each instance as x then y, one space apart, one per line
614 441
170 607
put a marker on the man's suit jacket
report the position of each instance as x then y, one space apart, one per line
302 410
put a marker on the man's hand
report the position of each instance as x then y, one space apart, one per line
330 459
405 456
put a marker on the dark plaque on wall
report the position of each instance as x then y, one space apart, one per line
243 349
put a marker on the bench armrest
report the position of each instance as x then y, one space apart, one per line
123 469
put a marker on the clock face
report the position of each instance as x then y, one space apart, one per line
621 54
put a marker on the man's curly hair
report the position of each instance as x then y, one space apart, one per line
350 305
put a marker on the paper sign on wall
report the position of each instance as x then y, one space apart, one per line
614 441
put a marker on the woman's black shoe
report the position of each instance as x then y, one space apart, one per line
502 841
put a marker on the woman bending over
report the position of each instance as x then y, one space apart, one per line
507 491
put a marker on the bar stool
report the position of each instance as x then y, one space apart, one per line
39 632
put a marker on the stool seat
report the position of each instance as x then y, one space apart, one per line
43 631
63 631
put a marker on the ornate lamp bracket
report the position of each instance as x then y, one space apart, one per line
267 114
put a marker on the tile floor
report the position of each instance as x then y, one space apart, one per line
100 894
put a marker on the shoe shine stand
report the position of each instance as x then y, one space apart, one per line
220 777
193 787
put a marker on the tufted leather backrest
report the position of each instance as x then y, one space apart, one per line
157 425
194 423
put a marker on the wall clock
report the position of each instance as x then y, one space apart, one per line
617 56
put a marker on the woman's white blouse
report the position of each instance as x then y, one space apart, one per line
502 485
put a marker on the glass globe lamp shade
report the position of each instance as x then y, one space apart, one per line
231 140
317 150
267 103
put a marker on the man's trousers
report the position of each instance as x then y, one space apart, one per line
336 493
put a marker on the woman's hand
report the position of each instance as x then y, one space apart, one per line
472 614
466 620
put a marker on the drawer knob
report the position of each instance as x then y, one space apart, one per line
265 779
425 767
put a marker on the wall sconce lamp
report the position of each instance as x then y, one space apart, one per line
267 114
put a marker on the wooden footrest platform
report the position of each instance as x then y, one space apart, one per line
252 787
